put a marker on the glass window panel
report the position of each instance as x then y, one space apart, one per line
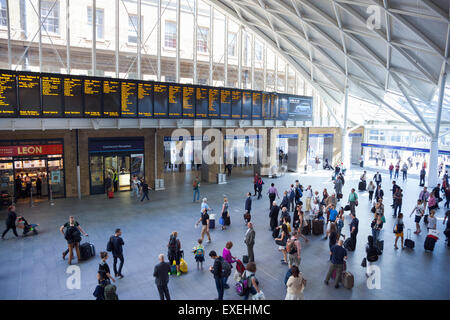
203 35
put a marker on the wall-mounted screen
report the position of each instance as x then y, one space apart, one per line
29 95
8 94
225 104
246 105
256 106
128 103
52 99
201 104
73 97
214 104
92 98
145 100
160 100
175 101
236 104
300 108
188 102
111 98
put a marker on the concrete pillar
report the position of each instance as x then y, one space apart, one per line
268 152
433 171
302 151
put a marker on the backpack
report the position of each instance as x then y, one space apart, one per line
292 194
226 269
195 184
110 292
298 193
291 248
173 244
199 252
72 234
109 245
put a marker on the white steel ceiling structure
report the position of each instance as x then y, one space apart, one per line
393 53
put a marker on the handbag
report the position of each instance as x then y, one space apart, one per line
221 221
364 263
281 242
259 296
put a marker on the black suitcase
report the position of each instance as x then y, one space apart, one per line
429 243
87 250
362 185
317 227
212 223
349 245
408 242
245 259
380 245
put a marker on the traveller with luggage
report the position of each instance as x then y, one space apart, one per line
338 257
398 230
419 211
225 219
204 219
219 271
371 189
174 252
72 234
11 221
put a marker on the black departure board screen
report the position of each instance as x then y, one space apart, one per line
246 105
52 100
236 104
188 102
256 106
29 95
160 98
266 106
8 94
283 107
145 99
214 104
128 104
273 106
111 98
92 98
201 105
73 97
225 104
175 101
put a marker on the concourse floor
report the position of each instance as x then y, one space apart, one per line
32 267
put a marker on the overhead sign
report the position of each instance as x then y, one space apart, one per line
30 150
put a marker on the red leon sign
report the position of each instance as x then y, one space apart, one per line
30 150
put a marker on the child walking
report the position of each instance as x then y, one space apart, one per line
199 254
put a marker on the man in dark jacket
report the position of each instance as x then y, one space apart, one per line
377 178
145 189
248 202
216 270
394 189
274 216
117 252
422 177
11 221
161 274
285 201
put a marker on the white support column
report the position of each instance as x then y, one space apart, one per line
195 34
286 77
433 171
40 35
344 144
68 67
177 59
211 45
225 54
265 68
139 40
9 35
94 37
239 44
117 38
158 45
253 62
276 73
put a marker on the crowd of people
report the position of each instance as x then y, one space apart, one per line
301 212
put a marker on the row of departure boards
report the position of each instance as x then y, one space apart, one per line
55 96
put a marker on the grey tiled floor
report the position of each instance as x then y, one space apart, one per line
32 268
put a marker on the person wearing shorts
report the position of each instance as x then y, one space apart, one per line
398 229
419 210
204 219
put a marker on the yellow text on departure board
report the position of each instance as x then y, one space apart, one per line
70 85
50 86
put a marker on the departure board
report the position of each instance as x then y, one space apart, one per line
160 100
92 98
266 106
246 105
111 98
283 107
273 106
145 99
8 94
214 104
236 104
29 95
256 106
201 105
73 97
175 101
188 102
128 99
225 104
52 99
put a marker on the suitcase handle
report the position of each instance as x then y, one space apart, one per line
408 234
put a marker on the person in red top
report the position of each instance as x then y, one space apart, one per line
424 165
397 169
391 168
255 183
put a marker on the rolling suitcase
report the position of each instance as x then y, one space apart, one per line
348 279
317 227
362 186
306 229
430 242
247 217
87 250
408 242
380 245
349 245
212 221
110 194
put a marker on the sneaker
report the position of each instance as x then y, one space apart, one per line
63 254
209 241
226 286
336 286
325 238
120 276
284 262
325 281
